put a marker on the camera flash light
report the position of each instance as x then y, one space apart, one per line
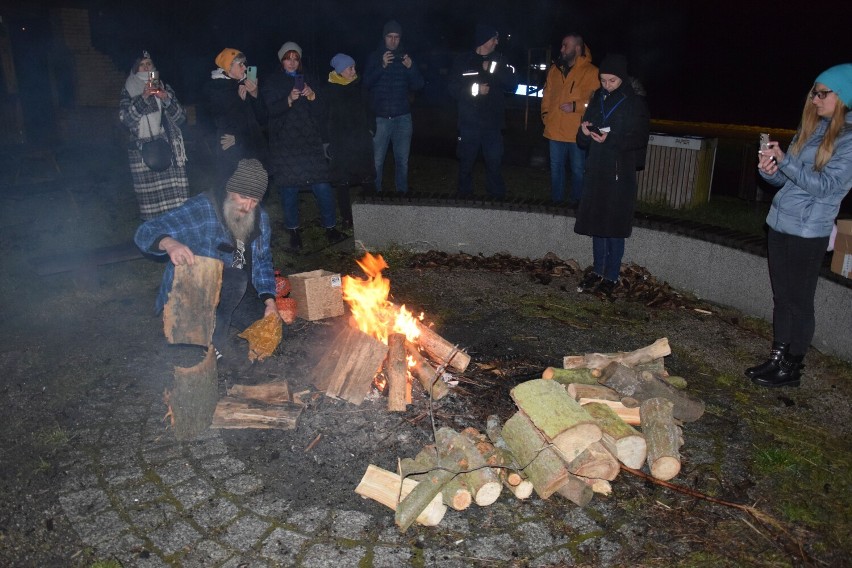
474 89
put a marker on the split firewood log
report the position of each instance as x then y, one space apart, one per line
622 440
347 370
440 350
597 462
656 350
384 487
499 459
189 315
232 413
483 482
600 486
566 376
542 465
455 493
427 375
579 390
516 479
630 414
644 385
192 400
657 366
560 418
576 490
276 392
664 438
396 369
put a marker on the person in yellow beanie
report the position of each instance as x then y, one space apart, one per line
237 111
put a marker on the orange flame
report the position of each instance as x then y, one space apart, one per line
374 314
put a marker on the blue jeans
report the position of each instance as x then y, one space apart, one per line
607 252
394 131
324 195
559 151
491 142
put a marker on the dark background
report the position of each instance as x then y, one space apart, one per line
723 62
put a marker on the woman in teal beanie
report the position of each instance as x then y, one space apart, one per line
814 175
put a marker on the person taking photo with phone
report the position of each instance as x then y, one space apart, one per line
297 144
814 175
237 112
150 111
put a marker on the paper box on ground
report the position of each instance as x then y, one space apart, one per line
318 294
841 262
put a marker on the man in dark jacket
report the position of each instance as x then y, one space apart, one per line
389 75
479 82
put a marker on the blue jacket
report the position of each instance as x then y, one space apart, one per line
196 224
808 201
389 86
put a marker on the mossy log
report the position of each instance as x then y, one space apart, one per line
559 417
576 490
541 463
566 376
384 487
483 482
516 480
455 493
643 385
664 438
621 439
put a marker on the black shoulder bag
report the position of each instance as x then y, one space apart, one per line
157 152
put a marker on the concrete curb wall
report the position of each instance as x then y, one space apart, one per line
716 272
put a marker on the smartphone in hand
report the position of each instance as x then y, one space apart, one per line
764 142
299 84
251 73
595 129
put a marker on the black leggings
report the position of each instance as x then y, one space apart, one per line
794 265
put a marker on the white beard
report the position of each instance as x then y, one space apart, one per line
240 224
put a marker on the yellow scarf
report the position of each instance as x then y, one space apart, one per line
338 79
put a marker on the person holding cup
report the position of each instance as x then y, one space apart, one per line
814 175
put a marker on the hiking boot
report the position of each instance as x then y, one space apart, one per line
606 287
770 365
334 236
295 239
788 373
589 281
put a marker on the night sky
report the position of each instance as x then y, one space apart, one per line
724 61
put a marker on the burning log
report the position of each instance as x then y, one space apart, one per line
644 385
441 350
559 417
426 374
384 487
623 441
347 369
541 463
396 369
189 315
663 436
597 462
566 376
656 350
482 481
193 397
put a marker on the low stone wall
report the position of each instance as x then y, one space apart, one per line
720 266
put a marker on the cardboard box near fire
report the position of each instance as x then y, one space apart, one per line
318 294
841 261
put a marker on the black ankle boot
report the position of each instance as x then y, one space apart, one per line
778 351
295 239
788 373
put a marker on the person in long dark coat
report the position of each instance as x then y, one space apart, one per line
350 128
296 143
615 130
237 112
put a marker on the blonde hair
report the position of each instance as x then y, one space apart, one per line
810 120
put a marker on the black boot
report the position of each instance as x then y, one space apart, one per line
788 373
770 365
295 239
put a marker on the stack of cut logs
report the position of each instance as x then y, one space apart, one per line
573 429
348 369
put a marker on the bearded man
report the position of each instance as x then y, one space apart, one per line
228 224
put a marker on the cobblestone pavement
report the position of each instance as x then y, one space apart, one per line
135 494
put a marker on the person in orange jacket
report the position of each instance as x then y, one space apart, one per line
571 81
